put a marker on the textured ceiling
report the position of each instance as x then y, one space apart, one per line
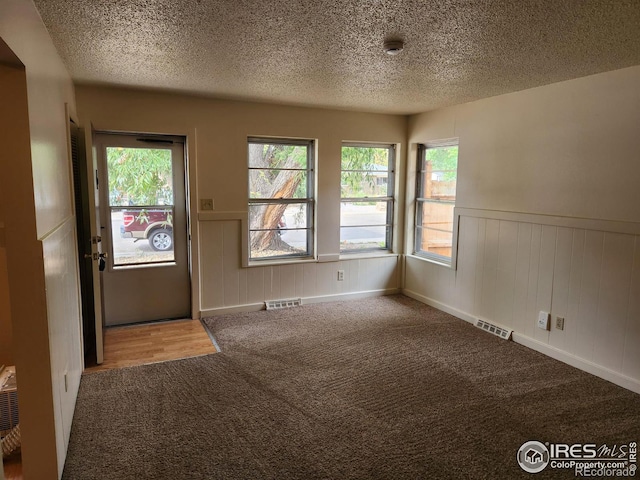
329 52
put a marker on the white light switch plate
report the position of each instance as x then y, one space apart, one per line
543 320
206 204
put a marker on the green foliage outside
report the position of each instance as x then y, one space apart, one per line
270 160
139 176
359 167
444 160
284 155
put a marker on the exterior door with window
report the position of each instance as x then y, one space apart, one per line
144 221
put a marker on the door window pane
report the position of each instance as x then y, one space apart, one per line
141 205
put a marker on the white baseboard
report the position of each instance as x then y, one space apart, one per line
349 296
254 307
467 317
577 362
580 363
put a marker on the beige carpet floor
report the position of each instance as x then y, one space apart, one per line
378 388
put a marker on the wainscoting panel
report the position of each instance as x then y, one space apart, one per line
225 284
60 265
512 266
631 349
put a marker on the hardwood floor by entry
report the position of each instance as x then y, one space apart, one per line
128 346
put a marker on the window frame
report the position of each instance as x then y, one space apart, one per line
420 200
309 200
389 198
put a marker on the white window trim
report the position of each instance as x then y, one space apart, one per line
448 262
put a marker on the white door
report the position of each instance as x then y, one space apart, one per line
144 220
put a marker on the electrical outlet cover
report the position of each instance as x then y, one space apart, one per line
560 323
543 320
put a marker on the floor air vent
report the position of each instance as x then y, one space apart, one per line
494 329
276 304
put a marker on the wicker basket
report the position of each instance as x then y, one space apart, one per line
8 400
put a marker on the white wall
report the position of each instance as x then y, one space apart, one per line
40 238
217 132
549 209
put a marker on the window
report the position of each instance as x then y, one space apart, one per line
435 200
281 198
366 208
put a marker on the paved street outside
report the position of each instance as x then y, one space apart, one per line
351 215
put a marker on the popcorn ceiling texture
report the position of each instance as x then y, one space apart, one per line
329 53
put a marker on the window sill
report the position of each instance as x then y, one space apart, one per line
280 261
371 254
435 261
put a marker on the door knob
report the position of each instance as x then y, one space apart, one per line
96 256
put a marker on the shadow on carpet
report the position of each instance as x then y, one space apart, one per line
378 388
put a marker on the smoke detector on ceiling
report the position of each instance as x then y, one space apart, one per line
393 47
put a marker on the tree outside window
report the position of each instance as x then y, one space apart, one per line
280 198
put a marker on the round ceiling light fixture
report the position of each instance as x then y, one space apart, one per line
393 47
